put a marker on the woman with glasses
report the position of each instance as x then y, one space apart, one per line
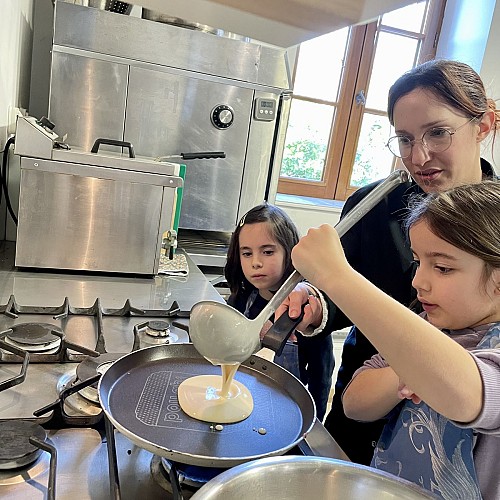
441 116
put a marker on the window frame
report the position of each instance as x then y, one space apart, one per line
348 116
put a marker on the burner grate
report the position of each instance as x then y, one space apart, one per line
97 313
13 309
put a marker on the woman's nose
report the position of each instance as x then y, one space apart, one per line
419 154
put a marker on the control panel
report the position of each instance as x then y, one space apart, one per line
34 138
264 109
43 125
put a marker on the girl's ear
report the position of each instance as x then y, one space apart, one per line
486 123
496 280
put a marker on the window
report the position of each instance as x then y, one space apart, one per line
338 126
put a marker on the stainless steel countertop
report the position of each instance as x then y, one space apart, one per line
37 288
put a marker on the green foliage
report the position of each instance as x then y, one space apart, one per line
362 172
304 159
370 162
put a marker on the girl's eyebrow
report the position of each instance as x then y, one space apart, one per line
441 255
268 245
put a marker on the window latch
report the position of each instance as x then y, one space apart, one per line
360 98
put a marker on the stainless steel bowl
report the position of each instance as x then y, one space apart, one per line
299 477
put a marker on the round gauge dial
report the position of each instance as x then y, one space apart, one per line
222 116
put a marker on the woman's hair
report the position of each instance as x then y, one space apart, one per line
452 82
281 228
467 217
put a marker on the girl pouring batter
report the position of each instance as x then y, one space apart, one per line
436 376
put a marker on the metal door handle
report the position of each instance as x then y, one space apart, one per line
113 142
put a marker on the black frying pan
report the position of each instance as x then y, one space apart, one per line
138 393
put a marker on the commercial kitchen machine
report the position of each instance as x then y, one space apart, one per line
90 210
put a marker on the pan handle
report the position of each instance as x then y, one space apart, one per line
199 156
280 331
113 142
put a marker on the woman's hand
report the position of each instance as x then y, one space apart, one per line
313 310
267 325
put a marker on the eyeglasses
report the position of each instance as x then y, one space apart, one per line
435 140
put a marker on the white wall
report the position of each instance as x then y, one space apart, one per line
490 73
305 218
15 48
464 33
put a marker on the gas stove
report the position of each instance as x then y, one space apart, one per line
46 352
58 333
46 349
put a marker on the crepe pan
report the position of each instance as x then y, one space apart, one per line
138 394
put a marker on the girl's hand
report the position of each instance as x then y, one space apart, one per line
405 392
319 256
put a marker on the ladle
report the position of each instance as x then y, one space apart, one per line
223 335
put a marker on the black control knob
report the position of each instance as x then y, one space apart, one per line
222 116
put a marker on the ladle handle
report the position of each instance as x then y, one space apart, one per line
292 281
371 199
354 215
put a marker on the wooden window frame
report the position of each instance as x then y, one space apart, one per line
348 116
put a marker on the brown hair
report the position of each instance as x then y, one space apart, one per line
467 217
282 229
453 82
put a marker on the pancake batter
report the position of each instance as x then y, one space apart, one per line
212 398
